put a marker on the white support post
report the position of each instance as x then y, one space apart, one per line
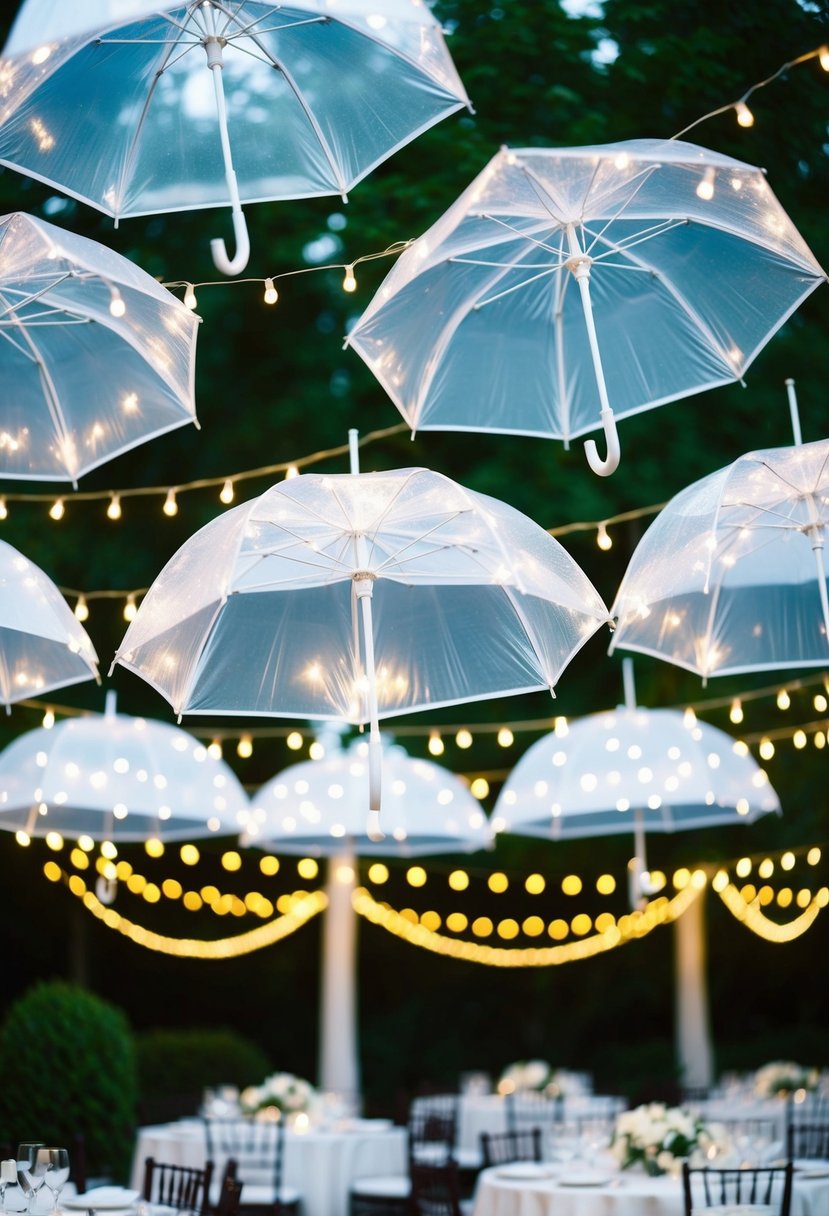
694 1049
339 1071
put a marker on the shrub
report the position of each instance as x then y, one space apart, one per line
67 1063
176 1066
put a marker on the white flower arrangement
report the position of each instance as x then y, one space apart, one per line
783 1077
659 1136
279 1094
537 1076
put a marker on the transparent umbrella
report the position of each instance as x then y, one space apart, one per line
42 645
358 596
115 777
137 107
95 355
665 263
633 770
730 577
317 808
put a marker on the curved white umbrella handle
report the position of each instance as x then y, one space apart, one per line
611 462
239 261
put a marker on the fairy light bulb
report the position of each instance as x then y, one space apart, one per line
130 608
271 294
114 508
226 493
190 296
117 307
745 118
170 505
349 281
435 744
291 471
505 737
603 538
244 747
81 609
783 699
4 510
463 738
766 749
705 188
48 719
294 741
57 509
214 750
823 58
736 711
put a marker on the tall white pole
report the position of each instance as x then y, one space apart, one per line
339 1069
694 1049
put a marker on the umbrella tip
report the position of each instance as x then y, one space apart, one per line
373 829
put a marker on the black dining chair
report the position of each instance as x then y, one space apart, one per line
500 1148
183 1187
767 1185
257 1146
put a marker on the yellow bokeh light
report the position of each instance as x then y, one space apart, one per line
479 788
558 930
482 926
153 847
743 867
765 868
533 926
231 860
307 868
456 922
79 859
269 866
430 921
508 929
498 882
416 876
784 897
535 884
172 888
459 880
378 873
605 884
109 850
571 884
581 924
192 901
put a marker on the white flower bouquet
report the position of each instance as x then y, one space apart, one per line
658 1137
783 1077
525 1076
279 1094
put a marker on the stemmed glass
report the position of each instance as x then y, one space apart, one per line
31 1173
8 1176
56 1162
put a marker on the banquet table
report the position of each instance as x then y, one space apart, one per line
320 1163
500 1192
488 1113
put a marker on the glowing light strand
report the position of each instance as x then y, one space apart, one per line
750 915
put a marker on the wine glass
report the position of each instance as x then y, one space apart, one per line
30 1172
8 1177
56 1161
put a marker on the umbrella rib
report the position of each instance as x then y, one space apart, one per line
645 174
524 236
785 480
646 234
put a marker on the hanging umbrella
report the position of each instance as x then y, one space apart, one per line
95 355
665 263
139 107
114 777
460 597
42 646
632 770
730 577
317 808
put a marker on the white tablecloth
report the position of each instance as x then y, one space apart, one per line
488 1113
320 1164
625 1194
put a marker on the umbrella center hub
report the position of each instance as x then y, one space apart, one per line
363 580
579 266
214 45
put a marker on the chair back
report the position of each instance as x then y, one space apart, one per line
256 1147
767 1185
230 1192
807 1139
531 1109
432 1127
499 1148
435 1189
183 1187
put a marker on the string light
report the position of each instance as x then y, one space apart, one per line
603 538
48 719
114 508
170 505
271 295
57 509
226 494
705 187
745 118
130 608
436 747
783 699
823 56
244 747
81 609
349 281
117 307
736 711
190 296
505 737
463 739
291 471
4 510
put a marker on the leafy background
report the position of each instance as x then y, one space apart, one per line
274 384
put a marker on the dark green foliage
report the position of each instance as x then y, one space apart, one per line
67 1060
176 1066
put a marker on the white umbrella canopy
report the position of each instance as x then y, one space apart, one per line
115 777
95 355
318 808
42 646
138 107
664 263
730 576
359 596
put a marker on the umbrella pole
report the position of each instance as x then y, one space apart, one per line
639 863
363 587
580 264
218 248
798 438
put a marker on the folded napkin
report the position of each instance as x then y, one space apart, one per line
103 1198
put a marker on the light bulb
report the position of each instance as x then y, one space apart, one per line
226 494
57 509
823 57
349 282
736 712
170 505
463 738
130 608
435 744
117 307
48 719
214 749
291 471
505 737
114 508
81 609
4 510
271 294
705 188
783 699
603 538
744 115
244 747
190 296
